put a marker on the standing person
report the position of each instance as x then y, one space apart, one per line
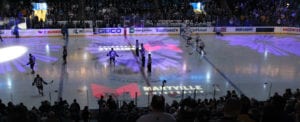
38 82
188 36
85 114
201 47
112 56
137 48
31 62
149 64
218 31
65 54
75 111
16 31
101 102
143 52
198 39
1 37
157 113
63 32
66 32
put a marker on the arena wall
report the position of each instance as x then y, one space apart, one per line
150 31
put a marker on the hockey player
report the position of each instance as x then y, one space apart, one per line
201 48
198 39
137 48
188 36
112 56
143 58
218 31
65 54
38 82
1 37
31 62
16 31
65 32
149 64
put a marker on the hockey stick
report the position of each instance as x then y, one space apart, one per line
97 57
23 65
50 82
56 61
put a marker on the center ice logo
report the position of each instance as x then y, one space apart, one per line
165 52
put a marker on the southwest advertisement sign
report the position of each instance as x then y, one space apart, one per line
153 31
240 29
81 32
199 30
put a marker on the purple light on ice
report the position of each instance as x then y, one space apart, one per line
279 46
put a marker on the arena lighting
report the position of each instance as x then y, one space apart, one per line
266 44
11 53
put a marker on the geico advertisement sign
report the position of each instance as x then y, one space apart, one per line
109 30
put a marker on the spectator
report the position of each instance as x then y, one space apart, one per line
157 114
75 111
86 114
231 110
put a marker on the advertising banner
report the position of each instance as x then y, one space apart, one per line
150 31
264 29
292 30
81 32
33 33
109 31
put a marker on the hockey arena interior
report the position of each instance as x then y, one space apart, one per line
149 60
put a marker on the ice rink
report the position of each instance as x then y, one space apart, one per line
255 65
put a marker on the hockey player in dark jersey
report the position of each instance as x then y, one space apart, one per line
137 48
1 37
112 56
198 40
201 48
31 62
65 54
143 52
38 82
149 64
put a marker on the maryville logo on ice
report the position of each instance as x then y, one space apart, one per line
172 89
